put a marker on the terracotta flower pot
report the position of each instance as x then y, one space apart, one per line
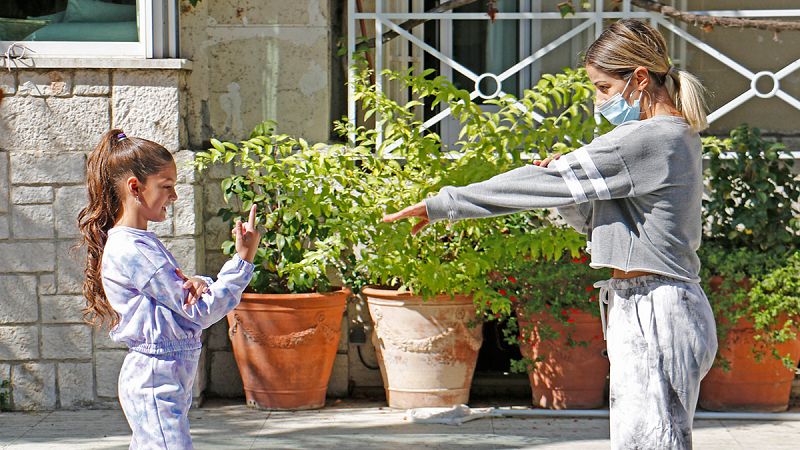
763 386
285 345
426 350
566 377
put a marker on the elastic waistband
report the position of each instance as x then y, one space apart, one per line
164 347
608 287
619 284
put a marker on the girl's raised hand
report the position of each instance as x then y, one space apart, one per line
418 210
247 237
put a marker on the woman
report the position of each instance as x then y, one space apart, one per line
636 192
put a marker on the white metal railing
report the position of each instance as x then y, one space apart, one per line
585 21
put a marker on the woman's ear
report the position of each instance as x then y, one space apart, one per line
642 76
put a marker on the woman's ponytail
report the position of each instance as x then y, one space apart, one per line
113 159
688 94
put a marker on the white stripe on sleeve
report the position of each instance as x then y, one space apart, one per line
599 184
575 188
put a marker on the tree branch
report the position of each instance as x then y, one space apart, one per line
707 21
412 23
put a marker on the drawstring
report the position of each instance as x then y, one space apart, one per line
603 299
11 56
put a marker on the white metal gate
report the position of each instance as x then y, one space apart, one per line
584 23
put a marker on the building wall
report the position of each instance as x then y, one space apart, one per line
49 120
257 60
251 60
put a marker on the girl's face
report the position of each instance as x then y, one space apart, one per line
606 85
156 193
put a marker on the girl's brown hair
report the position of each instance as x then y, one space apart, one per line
112 161
628 44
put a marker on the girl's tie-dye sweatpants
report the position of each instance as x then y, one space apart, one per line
661 342
156 393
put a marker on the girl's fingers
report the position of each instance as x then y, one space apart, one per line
237 229
252 220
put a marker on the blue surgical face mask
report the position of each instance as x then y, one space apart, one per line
617 111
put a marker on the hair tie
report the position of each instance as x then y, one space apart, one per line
672 70
121 137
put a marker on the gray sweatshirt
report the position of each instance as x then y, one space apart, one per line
635 191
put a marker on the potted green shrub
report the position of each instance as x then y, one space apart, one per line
751 244
441 277
286 329
556 322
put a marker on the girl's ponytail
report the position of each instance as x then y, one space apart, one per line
94 221
688 94
116 157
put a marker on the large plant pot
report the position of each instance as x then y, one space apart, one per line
285 345
426 349
763 386
565 376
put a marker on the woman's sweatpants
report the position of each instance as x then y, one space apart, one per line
156 392
661 342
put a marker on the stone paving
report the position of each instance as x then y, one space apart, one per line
226 424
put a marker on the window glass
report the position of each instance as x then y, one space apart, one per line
69 20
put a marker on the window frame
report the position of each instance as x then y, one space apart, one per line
158 38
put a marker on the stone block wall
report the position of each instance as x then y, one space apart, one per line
49 120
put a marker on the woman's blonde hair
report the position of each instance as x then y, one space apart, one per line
628 44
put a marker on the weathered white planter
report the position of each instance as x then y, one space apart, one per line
426 349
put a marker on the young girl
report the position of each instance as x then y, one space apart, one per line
636 192
134 282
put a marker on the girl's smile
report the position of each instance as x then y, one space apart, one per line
157 193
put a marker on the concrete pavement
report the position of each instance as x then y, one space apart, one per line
360 424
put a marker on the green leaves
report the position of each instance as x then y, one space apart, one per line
457 258
751 193
566 8
301 192
322 205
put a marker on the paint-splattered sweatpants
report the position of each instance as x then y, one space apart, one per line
661 343
156 393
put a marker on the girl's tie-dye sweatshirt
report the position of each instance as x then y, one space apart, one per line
141 284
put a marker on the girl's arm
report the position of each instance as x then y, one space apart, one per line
166 287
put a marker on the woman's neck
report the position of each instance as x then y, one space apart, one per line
659 103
